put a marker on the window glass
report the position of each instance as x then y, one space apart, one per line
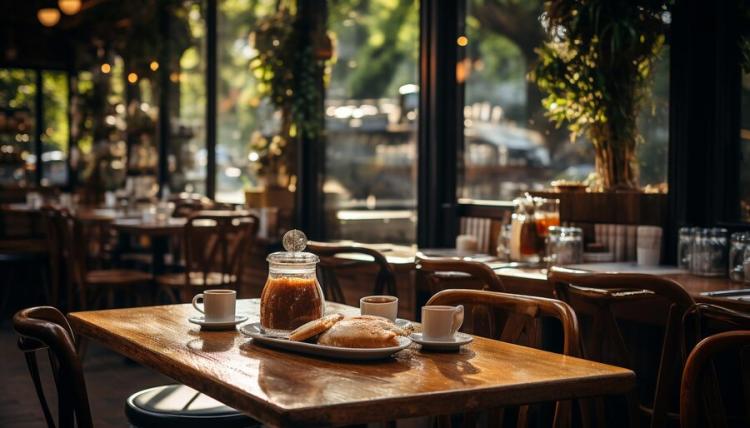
186 162
17 93
55 133
242 115
509 145
371 121
744 169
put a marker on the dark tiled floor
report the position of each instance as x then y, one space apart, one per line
110 379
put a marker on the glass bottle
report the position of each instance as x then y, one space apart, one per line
292 295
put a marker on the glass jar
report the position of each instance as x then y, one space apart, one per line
698 259
684 247
715 252
292 295
564 246
737 246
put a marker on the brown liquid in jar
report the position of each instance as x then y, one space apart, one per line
287 303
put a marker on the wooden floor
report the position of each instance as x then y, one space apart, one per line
110 380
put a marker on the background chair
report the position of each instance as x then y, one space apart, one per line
699 405
46 328
512 318
599 298
214 243
93 284
722 385
330 267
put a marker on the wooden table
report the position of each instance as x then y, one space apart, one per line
533 281
158 232
286 389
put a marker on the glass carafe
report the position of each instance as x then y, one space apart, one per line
292 295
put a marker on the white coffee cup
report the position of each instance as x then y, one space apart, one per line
218 305
441 322
382 306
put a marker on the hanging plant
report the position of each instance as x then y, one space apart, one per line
595 69
287 71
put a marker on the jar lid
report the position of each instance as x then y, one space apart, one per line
294 242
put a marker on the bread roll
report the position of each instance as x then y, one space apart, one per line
314 327
361 332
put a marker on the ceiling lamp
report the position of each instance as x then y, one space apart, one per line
49 16
69 7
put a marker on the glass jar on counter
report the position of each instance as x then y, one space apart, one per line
737 247
684 247
715 252
564 246
292 295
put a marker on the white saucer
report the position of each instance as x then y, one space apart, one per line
458 340
403 323
222 325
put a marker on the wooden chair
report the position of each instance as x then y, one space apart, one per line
46 328
514 318
454 272
93 284
330 266
597 294
214 244
700 406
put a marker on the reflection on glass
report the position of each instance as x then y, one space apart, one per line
55 134
242 115
509 145
17 92
371 122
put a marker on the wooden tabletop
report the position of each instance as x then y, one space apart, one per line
285 389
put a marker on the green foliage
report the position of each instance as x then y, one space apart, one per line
595 69
286 71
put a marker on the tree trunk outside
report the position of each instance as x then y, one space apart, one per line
616 162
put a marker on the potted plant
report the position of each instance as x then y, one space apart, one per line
595 70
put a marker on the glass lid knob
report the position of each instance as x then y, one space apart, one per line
294 241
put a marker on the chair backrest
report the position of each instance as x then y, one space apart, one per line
516 319
215 243
47 328
443 273
699 404
330 266
603 290
528 307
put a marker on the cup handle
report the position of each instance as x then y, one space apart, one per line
458 319
195 302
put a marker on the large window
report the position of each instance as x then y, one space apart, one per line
243 115
186 163
509 145
371 121
55 133
17 103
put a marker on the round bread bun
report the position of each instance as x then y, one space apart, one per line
314 327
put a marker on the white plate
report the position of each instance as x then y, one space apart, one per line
253 330
454 344
213 325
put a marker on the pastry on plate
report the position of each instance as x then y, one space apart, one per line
361 332
315 327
